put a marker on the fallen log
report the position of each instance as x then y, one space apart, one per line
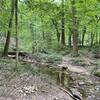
12 54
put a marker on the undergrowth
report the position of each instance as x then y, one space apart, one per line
49 58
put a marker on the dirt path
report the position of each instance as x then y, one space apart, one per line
66 62
85 81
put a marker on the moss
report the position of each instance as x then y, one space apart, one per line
97 73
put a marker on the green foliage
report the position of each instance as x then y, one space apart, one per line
9 66
78 61
36 17
96 70
65 50
1 48
96 49
54 58
49 58
27 68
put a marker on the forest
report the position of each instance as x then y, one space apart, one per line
49 49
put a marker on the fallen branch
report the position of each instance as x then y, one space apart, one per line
70 93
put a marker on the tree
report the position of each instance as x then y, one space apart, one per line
70 37
74 29
6 48
83 35
62 24
16 23
55 23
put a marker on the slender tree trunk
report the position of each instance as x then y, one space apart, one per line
83 35
69 38
6 48
74 29
63 24
16 23
57 30
92 39
96 38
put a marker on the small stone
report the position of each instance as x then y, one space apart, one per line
81 83
21 91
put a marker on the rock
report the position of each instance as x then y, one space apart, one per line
97 88
81 83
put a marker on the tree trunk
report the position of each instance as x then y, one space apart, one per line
63 24
97 34
96 38
16 23
83 35
57 30
69 38
6 48
74 29
92 39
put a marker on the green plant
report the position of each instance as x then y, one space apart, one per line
50 58
96 71
54 58
78 61
96 49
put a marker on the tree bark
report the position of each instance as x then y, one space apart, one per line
6 48
16 23
57 30
96 38
63 24
69 38
74 29
92 39
83 35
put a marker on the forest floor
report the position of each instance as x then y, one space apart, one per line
30 84
81 69
27 84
